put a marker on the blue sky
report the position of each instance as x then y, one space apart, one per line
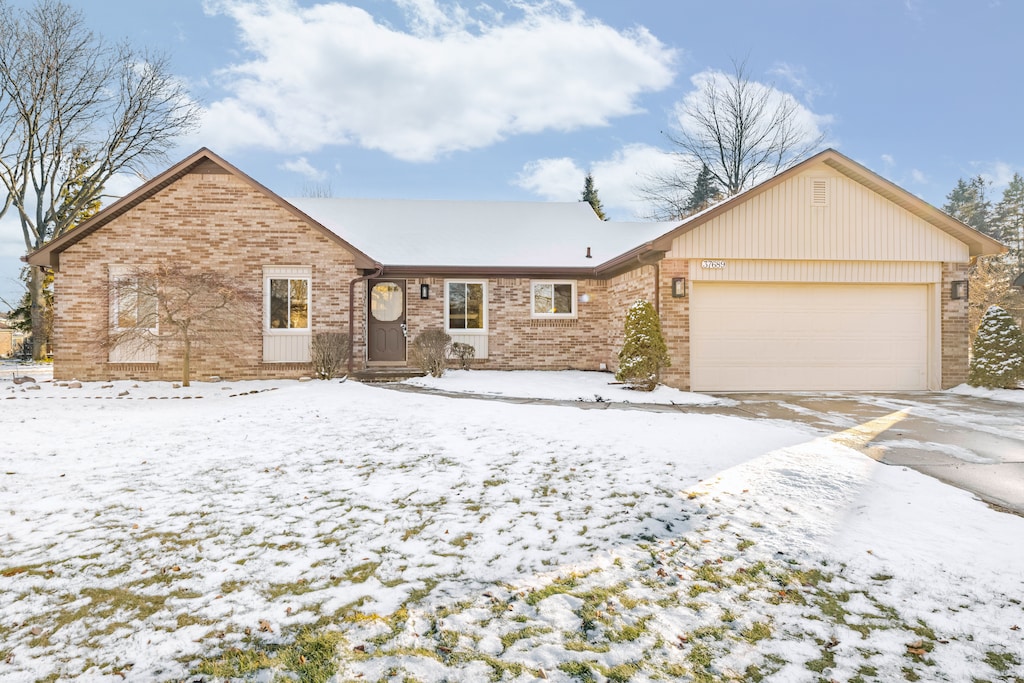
518 100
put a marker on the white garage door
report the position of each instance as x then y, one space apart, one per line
803 337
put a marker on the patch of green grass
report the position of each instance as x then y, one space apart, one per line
360 573
630 632
757 631
508 639
276 590
620 672
559 585
744 544
581 671
826 661
1001 661
462 540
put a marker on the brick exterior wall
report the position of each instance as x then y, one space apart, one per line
623 290
517 341
217 222
675 323
955 328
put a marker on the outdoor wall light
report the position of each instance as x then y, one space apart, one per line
678 287
424 291
959 290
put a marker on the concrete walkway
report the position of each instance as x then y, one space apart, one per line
975 444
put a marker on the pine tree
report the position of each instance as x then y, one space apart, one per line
705 192
589 195
644 352
998 358
1008 220
967 204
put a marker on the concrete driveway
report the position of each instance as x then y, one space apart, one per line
973 443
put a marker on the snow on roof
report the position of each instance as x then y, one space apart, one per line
401 232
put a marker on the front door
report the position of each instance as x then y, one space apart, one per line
386 320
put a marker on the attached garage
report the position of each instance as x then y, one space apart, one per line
808 337
824 278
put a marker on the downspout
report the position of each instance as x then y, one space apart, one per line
352 308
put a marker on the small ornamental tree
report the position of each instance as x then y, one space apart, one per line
998 360
643 353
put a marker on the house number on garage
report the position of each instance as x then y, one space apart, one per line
713 265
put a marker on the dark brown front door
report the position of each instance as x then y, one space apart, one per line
386 320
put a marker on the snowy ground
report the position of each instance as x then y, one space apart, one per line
1009 395
326 529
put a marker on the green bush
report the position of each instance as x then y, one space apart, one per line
429 351
998 352
643 353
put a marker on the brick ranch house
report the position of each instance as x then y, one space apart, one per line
826 277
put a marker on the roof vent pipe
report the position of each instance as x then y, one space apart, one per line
588 253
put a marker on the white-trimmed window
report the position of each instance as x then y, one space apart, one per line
552 299
465 313
465 310
134 320
287 313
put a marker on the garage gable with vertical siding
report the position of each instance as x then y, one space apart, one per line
826 277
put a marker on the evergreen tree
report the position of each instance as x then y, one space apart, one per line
589 195
1008 220
998 359
705 192
644 352
967 203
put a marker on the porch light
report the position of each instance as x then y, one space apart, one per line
424 291
678 287
959 290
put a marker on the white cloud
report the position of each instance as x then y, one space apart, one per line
616 178
918 176
303 167
333 74
798 80
888 159
997 173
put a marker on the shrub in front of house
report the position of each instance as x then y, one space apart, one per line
998 352
463 353
330 354
644 353
429 351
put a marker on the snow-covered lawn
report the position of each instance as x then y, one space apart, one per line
1009 395
327 529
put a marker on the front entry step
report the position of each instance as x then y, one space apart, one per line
386 374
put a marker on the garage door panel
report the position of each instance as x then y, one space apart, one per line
774 336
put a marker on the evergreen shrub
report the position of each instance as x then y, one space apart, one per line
998 352
644 352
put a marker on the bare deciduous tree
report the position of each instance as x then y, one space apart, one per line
74 111
740 130
181 306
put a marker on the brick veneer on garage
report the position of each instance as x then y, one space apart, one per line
220 223
955 332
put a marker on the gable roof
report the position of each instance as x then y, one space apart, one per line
434 234
202 160
978 243
504 237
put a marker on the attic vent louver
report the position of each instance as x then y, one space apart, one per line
819 192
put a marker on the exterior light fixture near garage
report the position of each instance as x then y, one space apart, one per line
959 290
679 287
424 291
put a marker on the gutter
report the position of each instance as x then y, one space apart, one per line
352 308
